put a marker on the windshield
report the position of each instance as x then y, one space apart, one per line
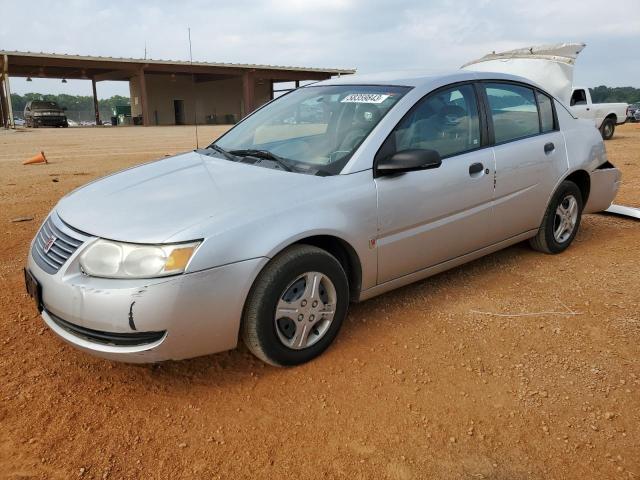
44 105
315 128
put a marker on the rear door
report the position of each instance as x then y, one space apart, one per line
430 216
530 156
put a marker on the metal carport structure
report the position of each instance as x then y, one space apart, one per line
96 69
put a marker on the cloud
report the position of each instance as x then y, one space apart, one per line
370 35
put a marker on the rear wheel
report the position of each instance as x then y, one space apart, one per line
561 220
607 128
296 306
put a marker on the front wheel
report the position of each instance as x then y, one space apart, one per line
296 306
607 128
561 220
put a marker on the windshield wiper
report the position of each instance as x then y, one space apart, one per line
221 150
266 154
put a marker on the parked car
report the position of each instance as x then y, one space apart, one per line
41 113
18 122
636 115
631 111
551 66
605 115
270 232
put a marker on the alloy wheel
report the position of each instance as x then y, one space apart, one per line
305 310
565 219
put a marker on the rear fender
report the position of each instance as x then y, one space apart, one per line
605 182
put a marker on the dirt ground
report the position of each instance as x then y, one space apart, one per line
463 375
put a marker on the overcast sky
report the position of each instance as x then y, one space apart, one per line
372 36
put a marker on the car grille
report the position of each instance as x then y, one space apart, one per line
108 338
55 243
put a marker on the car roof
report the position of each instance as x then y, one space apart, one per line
419 79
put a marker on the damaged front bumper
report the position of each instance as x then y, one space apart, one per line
146 320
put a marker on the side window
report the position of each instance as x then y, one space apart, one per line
579 97
446 121
513 110
546 112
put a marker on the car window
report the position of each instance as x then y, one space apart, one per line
546 112
445 121
43 105
579 97
513 110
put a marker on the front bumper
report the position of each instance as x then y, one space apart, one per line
49 121
191 314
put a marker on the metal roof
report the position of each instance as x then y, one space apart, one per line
176 63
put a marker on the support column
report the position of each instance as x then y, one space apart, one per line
297 83
7 91
248 93
96 107
143 98
4 114
271 92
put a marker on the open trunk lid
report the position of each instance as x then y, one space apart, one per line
550 66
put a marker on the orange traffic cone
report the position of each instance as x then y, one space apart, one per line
39 158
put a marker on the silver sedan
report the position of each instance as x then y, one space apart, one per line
335 192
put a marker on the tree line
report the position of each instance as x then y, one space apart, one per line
603 94
79 107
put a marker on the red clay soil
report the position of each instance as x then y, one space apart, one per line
516 366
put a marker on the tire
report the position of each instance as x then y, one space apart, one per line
607 128
551 237
273 337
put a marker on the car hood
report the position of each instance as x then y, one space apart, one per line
154 202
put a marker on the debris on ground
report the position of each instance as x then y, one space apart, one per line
21 219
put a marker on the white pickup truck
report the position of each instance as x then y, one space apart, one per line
551 66
605 115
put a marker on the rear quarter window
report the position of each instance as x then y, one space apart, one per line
545 105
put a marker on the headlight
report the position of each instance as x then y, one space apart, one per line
108 259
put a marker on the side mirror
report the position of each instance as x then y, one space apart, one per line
408 161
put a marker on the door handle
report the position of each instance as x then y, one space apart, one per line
549 147
475 168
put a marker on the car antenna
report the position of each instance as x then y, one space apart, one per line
193 90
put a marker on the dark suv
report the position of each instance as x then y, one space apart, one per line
40 113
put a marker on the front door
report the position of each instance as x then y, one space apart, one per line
431 216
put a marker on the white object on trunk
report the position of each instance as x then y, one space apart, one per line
550 66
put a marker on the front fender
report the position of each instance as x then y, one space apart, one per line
344 208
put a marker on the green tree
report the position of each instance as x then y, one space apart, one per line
603 94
